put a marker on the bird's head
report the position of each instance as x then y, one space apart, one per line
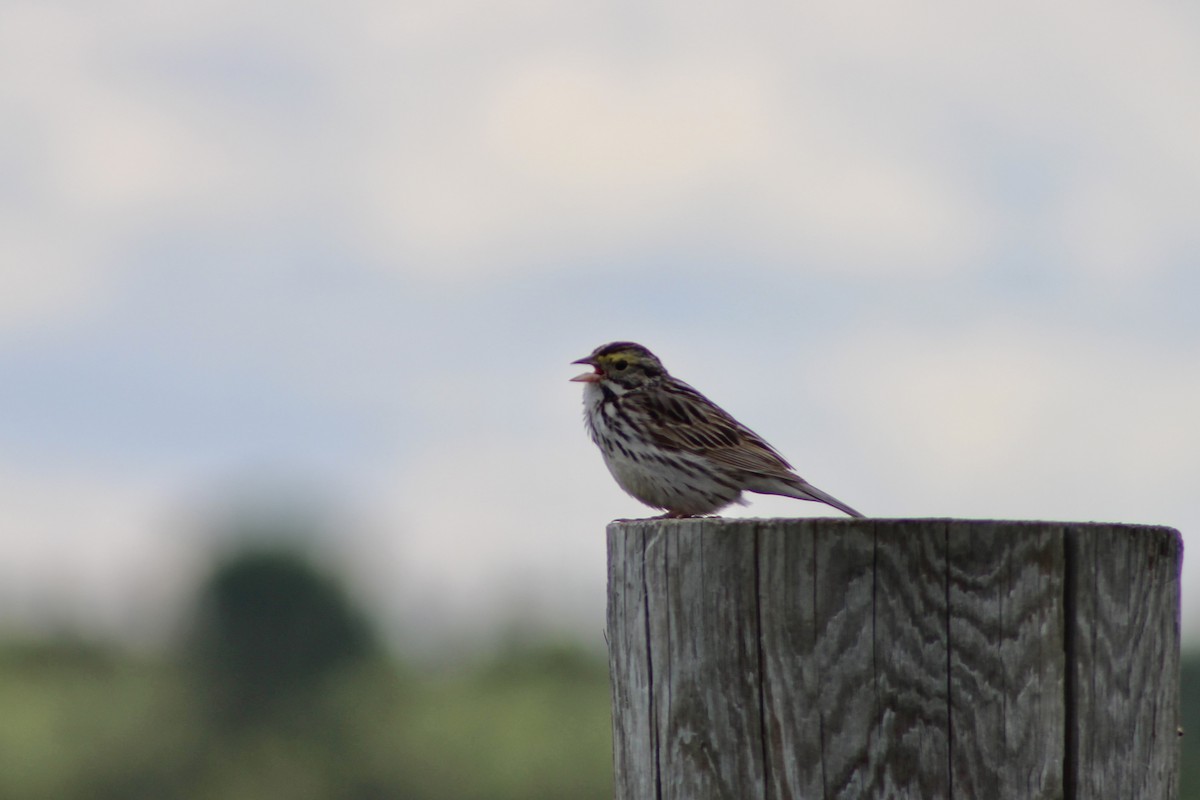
621 364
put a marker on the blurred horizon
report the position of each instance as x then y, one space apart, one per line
278 685
324 269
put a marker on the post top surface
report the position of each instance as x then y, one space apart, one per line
887 523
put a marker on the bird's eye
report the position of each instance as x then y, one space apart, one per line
620 365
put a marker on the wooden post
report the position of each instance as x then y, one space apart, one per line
795 659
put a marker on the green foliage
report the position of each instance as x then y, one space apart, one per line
79 717
1189 752
532 725
281 693
269 629
122 728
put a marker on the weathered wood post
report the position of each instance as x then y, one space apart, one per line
794 659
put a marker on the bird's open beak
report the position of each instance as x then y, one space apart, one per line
587 377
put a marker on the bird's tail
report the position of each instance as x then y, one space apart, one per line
803 490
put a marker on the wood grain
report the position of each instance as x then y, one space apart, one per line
909 753
816 628
1007 660
830 658
635 731
1125 671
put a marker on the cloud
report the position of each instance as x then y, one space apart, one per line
83 551
1125 230
1049 414
92 163
472 532
479 140
558 154
181 188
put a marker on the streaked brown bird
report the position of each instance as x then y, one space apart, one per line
670 446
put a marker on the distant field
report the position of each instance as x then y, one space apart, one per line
90 723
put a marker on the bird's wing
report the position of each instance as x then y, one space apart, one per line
680 418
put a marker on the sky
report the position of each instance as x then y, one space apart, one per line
324 266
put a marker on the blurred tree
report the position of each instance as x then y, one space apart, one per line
269 630
281 692
1189 755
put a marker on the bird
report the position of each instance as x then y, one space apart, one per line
672 448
